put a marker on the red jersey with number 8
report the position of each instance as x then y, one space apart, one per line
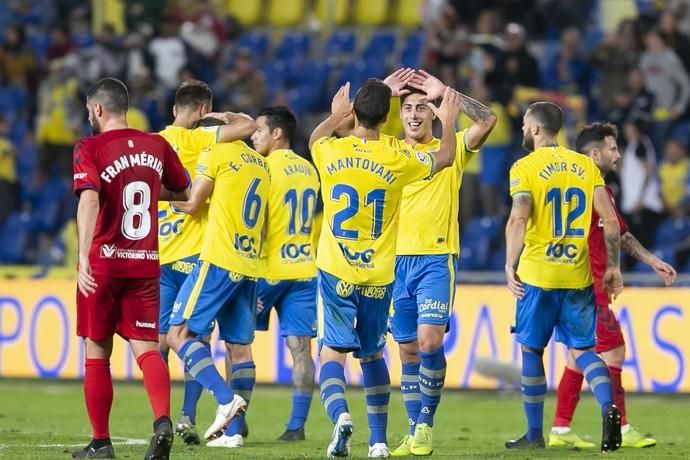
126 167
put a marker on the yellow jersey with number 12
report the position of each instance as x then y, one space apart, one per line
561 183
429 208
232 240
287 252
361 186
179 235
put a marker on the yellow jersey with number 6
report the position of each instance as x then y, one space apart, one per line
241 181
179 235
561 184
287 252
361 186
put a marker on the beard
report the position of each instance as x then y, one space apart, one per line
95 127
528 142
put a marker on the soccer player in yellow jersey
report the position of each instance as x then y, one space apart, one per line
180 237
288 272
362 177
222 286
554 191
427 250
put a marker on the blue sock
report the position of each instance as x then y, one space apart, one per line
533 393
242 383
432 377
164 355
199 363
300 408
192 393
597 375
332 381
377 390
412 397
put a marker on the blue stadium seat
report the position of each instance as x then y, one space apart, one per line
39 43
257 43
14 238
411 55
357 72
48 206
478 238
672 231
313 77
342 42
83 39
294 45
380 44
12 100
276 73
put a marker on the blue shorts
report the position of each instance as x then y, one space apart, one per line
423 293
352 317
295 303
211 294
571 311
173 276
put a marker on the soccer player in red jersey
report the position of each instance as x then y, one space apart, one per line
598 141
119 176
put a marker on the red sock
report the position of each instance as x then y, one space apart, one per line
156 382
98 393
618 391
568 395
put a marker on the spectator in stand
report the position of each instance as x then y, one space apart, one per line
614 58
59 122
673 175
107 57
676 40
640 195
515 66
445 45
60 43
17 63
8 173
568 72
139 60
244 87
665 77
169 54
634 100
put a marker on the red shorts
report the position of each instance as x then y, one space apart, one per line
124 305
609 334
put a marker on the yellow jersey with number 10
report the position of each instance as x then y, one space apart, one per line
232 240
429 208
179 235
361 186
561 183
287 252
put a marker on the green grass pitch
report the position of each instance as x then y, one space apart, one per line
47 420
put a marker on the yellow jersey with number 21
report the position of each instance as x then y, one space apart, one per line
561 183
232 240
361 183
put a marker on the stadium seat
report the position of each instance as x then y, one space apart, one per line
672 231
336 17
247 13
295 45
342 42
257 42
371 12
357 72
314 77
380 44
285 12
39 43
14 238
411 54
477 239
82 39
409 13
276 73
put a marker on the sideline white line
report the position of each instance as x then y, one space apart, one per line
117 441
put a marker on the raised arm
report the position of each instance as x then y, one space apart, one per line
447 113
516 227
201 190
483 118
169 195
341 107
634 248
237 126
87 213
613 280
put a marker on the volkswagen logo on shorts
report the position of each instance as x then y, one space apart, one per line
235 277
344 289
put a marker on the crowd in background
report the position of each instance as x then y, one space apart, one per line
636 76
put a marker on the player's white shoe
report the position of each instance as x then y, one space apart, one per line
224 414
236 440
340 441
379 450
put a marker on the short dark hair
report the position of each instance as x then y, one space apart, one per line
372 103
208 122
593 135
193 94
111 93
411 92
548 115
280 117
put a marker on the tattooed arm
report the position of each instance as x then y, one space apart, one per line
613 280
515 239
634 248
